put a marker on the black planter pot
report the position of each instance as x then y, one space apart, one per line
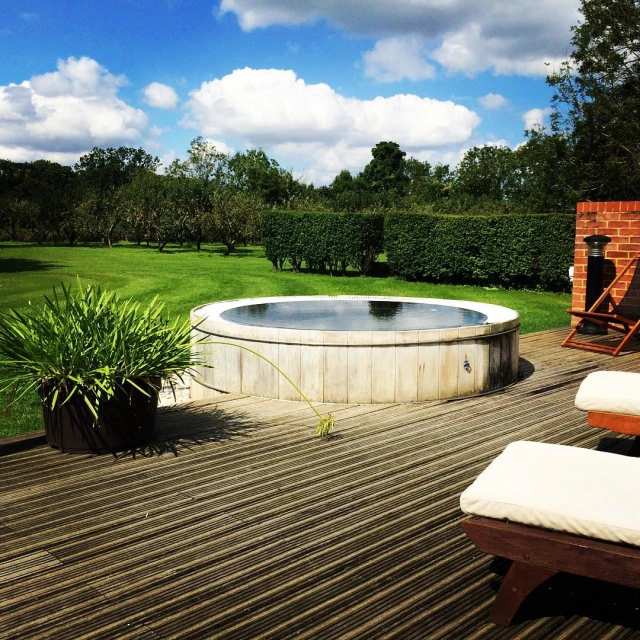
125 422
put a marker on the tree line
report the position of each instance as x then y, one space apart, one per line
116 193
534 178
590 151
113 194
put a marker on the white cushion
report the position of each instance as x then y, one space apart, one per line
610 392
579 491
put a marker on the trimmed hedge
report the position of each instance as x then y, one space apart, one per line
323 241
531 251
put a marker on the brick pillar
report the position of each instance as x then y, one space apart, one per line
618 220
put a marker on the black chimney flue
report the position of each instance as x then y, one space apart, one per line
595 274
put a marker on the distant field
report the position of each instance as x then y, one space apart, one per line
184 278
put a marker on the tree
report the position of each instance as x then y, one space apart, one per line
544 174
418 176
51 188
148 204
596 104
35 221
72 223
343 181
255 173
15 214
35 196
426 184
164 219
347 193
386 172
235 218
308 198
485 173
105 170
101 173
13 197
134 200
204 162
196 183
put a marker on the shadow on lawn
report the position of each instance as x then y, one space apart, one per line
238 252
19 265
170 250
186 427
379 270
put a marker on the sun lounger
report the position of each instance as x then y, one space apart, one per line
552 508
612 400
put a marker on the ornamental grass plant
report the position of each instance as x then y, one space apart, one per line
90 344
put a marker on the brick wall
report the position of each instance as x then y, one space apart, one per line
621 222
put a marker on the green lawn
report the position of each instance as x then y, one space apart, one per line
184 278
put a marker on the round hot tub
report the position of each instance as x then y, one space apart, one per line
356 349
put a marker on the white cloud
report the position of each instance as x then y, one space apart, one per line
462 35
24 154
59 115
267 106
155 131
78 78
314 127
220 146
493 101
160 96
535 118
393 59
256 14
472 50
320 162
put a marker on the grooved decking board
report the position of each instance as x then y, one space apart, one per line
239 523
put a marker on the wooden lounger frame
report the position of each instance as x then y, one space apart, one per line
610 319
538 554
620 423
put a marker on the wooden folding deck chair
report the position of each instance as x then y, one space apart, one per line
611 318
552 508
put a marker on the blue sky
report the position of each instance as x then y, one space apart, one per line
315 83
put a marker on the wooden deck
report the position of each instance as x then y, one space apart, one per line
239 523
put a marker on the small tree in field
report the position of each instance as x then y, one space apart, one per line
197 182
149 205
235 219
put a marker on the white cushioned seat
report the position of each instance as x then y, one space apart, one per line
578 491
610 392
